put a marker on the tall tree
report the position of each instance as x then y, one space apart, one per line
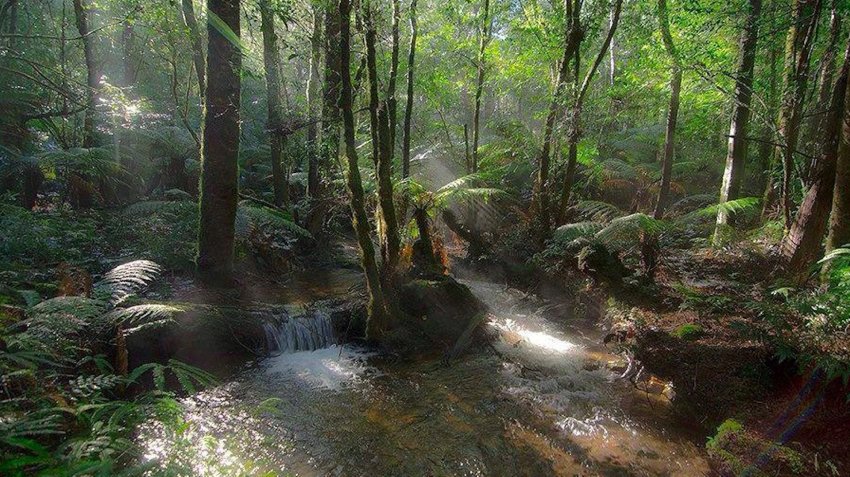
802 245
408 111
798 48
331 87
484 33
388 231
575 123
92 71
736 155
392 80
377 313
573 36
188 12
220 148
313 102
271 60
672 111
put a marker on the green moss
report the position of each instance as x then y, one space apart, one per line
689 332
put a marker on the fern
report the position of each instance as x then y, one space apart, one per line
625 232
569 232
597 211
145 316
732 207
127 279
250 216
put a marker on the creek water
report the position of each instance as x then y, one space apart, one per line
541 401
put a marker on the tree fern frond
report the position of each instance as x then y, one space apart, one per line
732 207
691 203
148 315
597 211
625 232
248 216
569 232
127 279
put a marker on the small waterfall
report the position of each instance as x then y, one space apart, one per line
311 331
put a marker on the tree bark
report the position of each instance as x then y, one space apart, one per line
392 80
802 246
736 155
575 134
483 40
672 112
377 312
188 12
798 47
331 89
573 36
408 111
313 83
839 225
220 149
92 71
271 61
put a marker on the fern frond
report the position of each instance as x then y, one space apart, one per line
732 207
145 316
248 216
597 211
569 232
625 232
147 208
127 279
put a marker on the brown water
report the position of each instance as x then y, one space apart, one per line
541 402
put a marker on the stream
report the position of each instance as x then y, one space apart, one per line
541 401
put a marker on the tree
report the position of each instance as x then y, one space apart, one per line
408 111
738 142
798 47
220 148
377 312
331 87
188 12
672 111
801 246
484 33
92 71
313 82
271 60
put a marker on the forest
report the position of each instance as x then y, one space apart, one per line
425 237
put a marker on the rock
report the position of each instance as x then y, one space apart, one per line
442 312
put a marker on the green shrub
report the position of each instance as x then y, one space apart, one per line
689 332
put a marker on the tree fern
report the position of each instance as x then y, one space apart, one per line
145 316
597 211
626 232
127 279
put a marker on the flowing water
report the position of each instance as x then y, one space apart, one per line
541 401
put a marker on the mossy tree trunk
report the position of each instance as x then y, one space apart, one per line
484 33
313 103
220 148
188 12
736 154
81 10
669 150
802 246
377 310
331 89
408 111
271 61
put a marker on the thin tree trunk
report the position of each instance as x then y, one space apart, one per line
767 152
188 12
313 83
330 93
408 112
220 150
572 40
672 112
575 135
377 313
92 71
271 61
382 152
483 40
392 80
798 46
802 246
736 155
825 76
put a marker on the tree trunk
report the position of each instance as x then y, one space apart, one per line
826 73
408 112
736 155
330 93
392 80
220 150
271 61
839 225
572 40
127 39
377 313
672 112
313 83
92 71
188 12
798 46
767 151
483 40
802 245
575 126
